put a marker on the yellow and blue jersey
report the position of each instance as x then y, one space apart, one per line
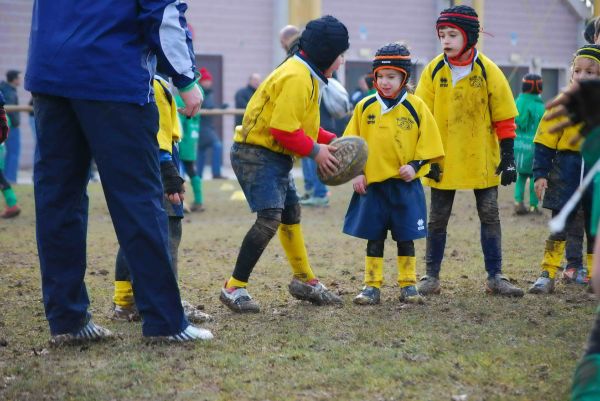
395 136
561 140
169 130
465 113
287 100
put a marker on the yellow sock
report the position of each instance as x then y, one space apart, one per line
552 257
123 293
407 271
373 271
292 240
590 264
232 282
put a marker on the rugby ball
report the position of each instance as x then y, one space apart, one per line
351 153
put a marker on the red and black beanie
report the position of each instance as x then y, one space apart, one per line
532 83
323 40
463 18
395 56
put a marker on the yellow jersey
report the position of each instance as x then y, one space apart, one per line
287 100
465 113
560 140
395 136
169 130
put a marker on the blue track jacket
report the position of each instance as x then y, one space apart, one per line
108 50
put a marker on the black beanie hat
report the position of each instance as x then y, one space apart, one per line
323 40
463 18
532 83
395 56
590 31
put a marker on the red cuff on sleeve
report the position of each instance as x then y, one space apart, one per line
297 141
505 129
325 136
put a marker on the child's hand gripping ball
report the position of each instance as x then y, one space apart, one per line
351 153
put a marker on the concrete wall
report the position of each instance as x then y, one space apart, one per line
546 30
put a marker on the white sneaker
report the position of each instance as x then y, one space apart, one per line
191 333
88 333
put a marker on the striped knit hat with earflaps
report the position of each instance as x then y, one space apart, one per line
463 18
394 56
589 51
532 83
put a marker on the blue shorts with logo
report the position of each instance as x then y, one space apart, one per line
393 205
265 176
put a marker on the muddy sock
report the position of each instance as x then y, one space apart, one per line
197 189
253 245
9 197
123 295
233 282
292 241
373 271
552 257
407 271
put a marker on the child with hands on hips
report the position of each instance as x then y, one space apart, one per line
403 138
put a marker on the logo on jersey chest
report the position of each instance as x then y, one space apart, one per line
443 82
405 123
476 81
371 119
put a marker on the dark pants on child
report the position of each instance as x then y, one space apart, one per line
121 137
122 266
490 234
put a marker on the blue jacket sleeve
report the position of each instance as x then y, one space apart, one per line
167 35
542 161
2 101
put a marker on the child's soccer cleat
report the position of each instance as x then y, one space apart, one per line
429 285
520 209
569 275
197 207
535 210
88 333
411 295
195 315
313 291
315 201
499 285
238 300
10 212
127 313
582 276
368 296
543 285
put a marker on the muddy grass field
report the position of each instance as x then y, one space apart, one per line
461 345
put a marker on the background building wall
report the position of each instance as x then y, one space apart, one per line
524 31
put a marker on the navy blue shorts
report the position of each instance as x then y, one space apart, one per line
393 205
265 176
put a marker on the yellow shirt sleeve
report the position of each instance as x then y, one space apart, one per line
560 140
501 102
292 103
165 118
353 127
429 145
425 88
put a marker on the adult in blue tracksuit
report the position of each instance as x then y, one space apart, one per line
90 70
